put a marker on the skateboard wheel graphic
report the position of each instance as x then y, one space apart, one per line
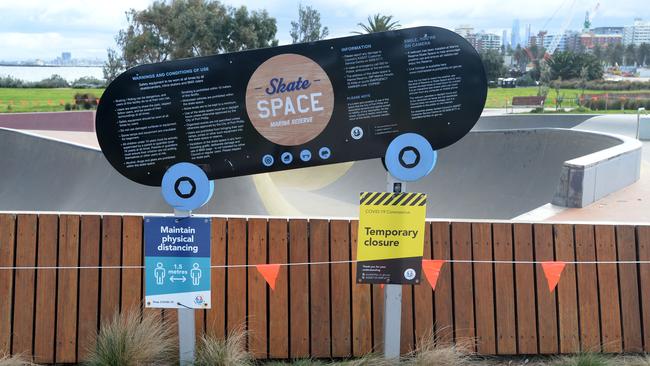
410 157
186 187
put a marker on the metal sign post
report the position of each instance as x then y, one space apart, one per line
186 322
393 296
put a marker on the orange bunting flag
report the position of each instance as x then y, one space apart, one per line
431 268
553 270
381 285
269 272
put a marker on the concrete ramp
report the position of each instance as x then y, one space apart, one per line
488 174
46 175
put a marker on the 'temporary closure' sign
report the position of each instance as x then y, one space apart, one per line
390 244
292 106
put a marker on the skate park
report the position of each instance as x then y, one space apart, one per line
506 167
496 195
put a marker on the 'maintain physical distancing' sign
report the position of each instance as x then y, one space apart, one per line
391 237
177 262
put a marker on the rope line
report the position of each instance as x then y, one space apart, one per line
226 266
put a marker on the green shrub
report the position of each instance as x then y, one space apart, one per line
54 81
585 359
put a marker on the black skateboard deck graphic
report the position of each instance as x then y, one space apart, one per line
292 106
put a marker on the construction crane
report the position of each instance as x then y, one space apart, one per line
558 37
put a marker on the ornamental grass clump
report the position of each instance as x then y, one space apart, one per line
15 360
213 351
130 339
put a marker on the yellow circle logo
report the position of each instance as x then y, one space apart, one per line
289 99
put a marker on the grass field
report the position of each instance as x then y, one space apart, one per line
497 96
39 100
51 100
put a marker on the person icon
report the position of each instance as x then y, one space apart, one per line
195 273
159 274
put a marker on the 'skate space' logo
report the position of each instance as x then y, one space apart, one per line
289 99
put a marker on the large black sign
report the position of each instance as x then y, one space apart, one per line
292 106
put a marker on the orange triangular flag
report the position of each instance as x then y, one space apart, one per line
431 268
269 272
553 270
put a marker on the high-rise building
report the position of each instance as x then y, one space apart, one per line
487 41
481 41
66 56
515 39
527 39
464 30
504 39
637 33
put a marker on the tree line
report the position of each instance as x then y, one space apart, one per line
188 28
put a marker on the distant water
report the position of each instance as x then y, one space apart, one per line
38 73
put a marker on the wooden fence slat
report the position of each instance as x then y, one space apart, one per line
7 247
407 342
216 315
132 246
567 291
546 301
279 298
88 284
110 278
299 289
236 298
443 296
340 279
463 284
44 327
362 330
320 288
484 289
66 314
257 322
587 289
23 321
377 315
525 290
610 310
643 238
504 289
423 297
628 284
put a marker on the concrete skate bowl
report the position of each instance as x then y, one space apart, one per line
488 174
41 174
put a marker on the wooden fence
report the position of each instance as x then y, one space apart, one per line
318 310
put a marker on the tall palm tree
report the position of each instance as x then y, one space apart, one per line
378 23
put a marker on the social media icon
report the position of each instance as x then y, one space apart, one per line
267 160
324 153
286 157
356 132
305 155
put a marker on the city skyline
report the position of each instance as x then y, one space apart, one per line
43 30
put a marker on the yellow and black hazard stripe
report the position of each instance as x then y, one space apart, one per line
393 199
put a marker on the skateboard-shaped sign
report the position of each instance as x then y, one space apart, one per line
293 106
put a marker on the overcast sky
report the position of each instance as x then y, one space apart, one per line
31 29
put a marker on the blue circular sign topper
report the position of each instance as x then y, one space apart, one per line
186 187
410 157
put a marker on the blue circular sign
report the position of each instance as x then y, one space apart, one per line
410 157
186 187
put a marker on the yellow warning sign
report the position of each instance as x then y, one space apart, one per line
391 237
